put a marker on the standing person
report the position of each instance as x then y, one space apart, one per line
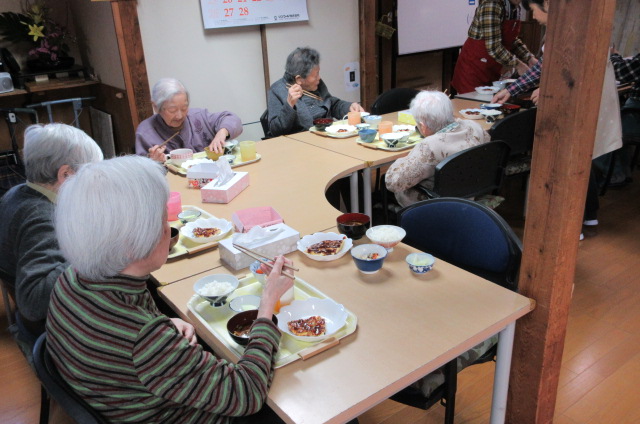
492 47
301 96
187 127
30 259
108 339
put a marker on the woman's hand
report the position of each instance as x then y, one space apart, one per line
501 96
157 153
355 107
217 144
186 330
295 92
521 67
275 286
535 96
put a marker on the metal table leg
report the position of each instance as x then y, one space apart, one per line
366 177
501 378
355 207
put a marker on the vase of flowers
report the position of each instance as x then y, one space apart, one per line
47 40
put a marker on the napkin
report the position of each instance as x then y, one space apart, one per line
255 236
225 174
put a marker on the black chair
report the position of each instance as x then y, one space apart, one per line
393 100
53 385
264 121
517 130
627 115
475 238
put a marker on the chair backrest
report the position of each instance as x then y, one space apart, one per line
393 100
264 121
7 303
58 389
466 234
517 130
471 172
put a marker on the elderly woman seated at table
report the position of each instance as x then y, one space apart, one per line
176 126
299 97
444 135
106 335
30 260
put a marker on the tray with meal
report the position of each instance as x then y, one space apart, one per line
201 157
198 230
339 129
380 144
312 323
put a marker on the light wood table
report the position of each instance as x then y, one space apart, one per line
408 326
291 177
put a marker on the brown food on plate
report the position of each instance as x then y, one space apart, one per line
325 247
206 232
309 327
342 130
472 113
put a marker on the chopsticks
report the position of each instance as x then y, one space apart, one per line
168 139
259 257
308 94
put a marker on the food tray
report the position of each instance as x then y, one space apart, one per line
202 155
184 246
381 145
214 319
326 134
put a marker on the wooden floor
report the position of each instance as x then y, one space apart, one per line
601 361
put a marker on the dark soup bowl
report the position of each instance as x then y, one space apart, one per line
175 236
353 225
240 324
322 123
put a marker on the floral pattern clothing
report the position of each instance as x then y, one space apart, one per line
420 165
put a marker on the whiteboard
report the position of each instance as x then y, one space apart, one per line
233 13
425 25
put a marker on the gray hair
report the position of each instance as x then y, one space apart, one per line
165 89
301 62
111 214
49 147
433 109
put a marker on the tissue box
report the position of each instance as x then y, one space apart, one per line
201 174
225 193
405 117
281 244
245 219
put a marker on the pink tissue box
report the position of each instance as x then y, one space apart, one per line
225 193
264 216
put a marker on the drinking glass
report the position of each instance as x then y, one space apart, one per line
248 150
385 127
174 206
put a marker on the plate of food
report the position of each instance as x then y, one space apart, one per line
312 320
487 89
471 113
404 129
325 246
341 130
205 230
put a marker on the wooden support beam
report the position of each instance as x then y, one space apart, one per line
368 60
574 63
125 19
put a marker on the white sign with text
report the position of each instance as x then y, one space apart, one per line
232 13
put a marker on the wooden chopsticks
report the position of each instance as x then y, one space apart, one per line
308 94
259 257
168 139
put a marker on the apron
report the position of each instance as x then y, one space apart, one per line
475 67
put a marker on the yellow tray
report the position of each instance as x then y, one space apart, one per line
202 155
184 246
381 145
214 319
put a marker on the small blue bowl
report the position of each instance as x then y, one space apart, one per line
420 262
368 135
369 257
254 270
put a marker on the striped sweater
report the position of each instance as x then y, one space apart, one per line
128 361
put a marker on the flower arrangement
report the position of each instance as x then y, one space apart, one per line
34 27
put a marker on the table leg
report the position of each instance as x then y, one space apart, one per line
366 177
501 378
355 206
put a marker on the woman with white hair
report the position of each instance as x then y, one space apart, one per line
444 135
30 260
299 97
106 335
184 127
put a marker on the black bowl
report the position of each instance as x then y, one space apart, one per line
243 321
322 123
175 236
353 225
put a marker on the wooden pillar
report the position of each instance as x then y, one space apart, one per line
368 59
125 18
574 62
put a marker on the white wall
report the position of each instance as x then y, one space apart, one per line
222 68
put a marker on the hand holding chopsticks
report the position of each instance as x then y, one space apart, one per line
261 258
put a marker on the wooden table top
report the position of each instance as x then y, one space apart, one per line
408 325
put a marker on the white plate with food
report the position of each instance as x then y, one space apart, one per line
471 113
205 230
312 320
325 246
487 89
490 112
341 130
404 129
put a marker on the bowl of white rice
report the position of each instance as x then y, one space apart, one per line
216 288
386 236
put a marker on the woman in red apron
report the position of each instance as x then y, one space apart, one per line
493 46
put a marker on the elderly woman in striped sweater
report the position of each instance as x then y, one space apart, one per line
107 338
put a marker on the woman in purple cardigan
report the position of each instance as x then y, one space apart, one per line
186 127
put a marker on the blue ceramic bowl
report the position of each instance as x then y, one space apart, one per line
420 262
369 257
368 135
